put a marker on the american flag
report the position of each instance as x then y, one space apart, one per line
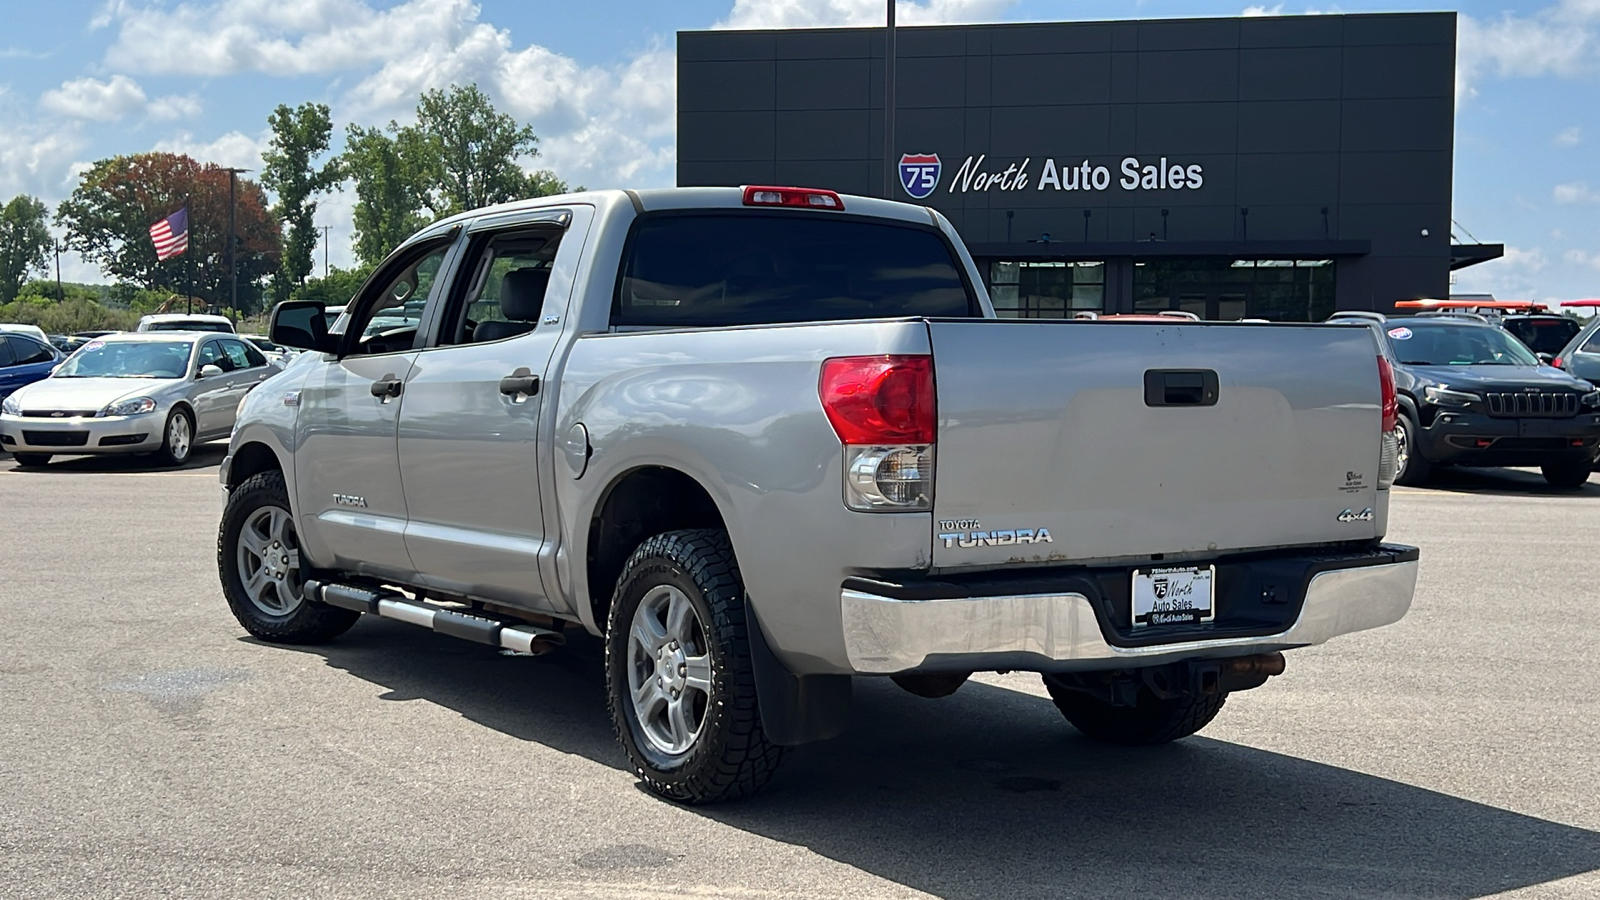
171 235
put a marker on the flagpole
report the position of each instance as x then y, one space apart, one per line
188 252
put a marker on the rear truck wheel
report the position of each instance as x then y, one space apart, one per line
31 460
1150 720
680 683
177 439
1568 474
1410 466
258 559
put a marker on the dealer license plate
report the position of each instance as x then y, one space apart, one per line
1173 596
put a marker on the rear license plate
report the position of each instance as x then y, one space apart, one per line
1173 596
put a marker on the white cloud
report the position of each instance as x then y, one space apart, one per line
837 13
1581 258
232 149
1575 192
598 125
102 101
280 37
117 98
1559 40
1252 11
38 160
1568 137
1515 275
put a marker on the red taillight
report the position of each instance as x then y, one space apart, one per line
1391 406
879 399
1556 362
809 198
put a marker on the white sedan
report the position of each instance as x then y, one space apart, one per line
155 393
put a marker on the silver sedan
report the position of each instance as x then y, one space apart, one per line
155 393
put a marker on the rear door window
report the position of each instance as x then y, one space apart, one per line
706 269
6 358
29 351
1546 335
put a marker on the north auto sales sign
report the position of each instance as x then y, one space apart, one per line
920 175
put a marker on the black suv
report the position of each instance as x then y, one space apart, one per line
1472 395
1544 333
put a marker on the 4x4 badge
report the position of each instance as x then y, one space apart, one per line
1350 516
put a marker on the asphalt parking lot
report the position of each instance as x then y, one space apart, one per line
148 748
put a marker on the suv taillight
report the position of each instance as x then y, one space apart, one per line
1388 456
882 409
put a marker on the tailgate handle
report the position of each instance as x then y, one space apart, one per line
1180 387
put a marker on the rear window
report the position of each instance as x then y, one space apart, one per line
752 268
1546 335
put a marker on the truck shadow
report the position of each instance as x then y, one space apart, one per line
205 456
988 794
1508 482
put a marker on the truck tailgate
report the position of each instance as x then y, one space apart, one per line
1050 427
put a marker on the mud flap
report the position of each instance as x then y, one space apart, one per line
796 709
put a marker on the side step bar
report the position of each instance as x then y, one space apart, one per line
520 638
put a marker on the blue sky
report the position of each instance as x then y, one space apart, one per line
84 79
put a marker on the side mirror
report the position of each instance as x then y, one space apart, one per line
301 324
210 371
1546 358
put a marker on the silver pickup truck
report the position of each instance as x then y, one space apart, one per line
765 440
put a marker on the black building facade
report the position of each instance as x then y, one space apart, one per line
1269 167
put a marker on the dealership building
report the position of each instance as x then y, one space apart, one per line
1271 167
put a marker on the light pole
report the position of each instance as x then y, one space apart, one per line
889 176
325 230
233 269
58 246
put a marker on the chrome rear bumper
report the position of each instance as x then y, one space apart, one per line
1060 632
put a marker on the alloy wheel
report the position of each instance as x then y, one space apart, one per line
179 437
669 670
269 561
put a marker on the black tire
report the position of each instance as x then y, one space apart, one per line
169 454
1413 469
1568 474
304 622
1152 721
730 755
31 460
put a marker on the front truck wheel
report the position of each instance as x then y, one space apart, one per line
258 559
680 682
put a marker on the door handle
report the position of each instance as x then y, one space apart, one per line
512 385
387 387
1180 387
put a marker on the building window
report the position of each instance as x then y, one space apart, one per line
1046 290
1279 290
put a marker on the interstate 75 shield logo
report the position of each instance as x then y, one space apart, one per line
919 173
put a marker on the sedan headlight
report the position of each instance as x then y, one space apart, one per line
1443 396
134 407
11 406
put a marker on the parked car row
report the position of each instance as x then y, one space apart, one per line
157 393
1471 394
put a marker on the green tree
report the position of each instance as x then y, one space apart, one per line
336 289
109 214
290 170
391 171
25 243
476 148
461 154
